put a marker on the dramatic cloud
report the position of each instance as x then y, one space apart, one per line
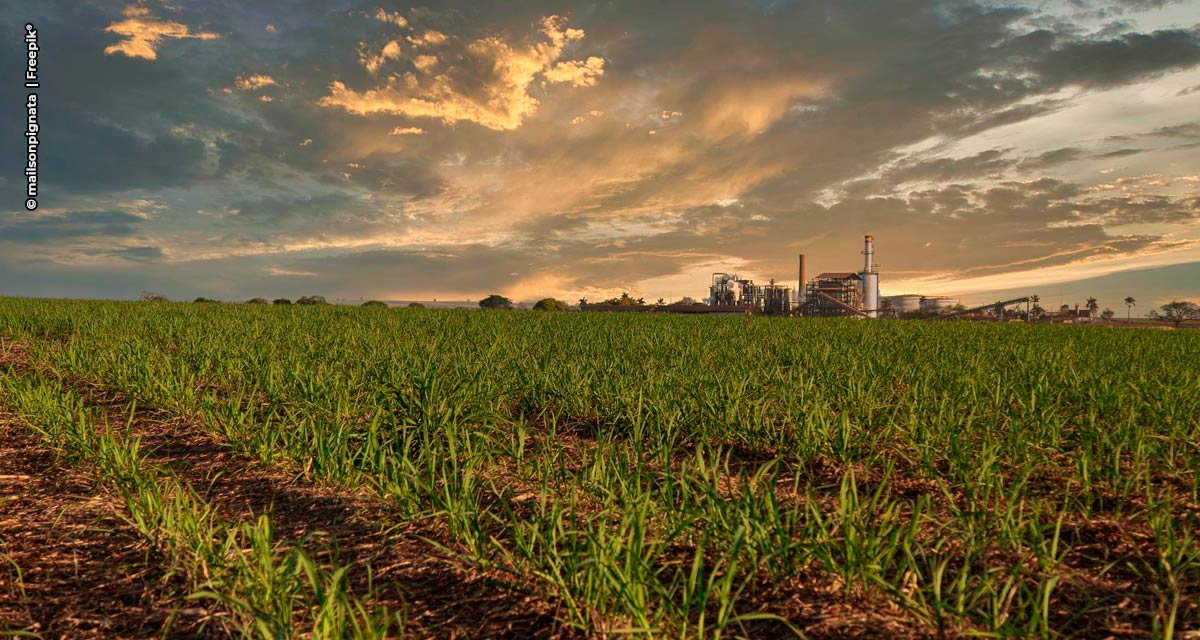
142 33
455 149
488 84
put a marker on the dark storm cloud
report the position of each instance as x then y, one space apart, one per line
71 225
279 213
1120 153
1052 158
1186 130
1143 5
1104 63
102 157
322 217
136 253
140 253
981 165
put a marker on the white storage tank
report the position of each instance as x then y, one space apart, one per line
906 303
938 304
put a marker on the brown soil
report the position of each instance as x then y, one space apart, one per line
69 566
440 595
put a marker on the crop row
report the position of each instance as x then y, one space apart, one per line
691 476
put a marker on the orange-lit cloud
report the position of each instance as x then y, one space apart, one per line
425 63
390 51
499 100
594 113
252 82
142 33
393 17
578 73
750 105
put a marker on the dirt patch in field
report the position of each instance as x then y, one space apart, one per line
69 566
441 595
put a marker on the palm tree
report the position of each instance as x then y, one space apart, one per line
1129 305
1092 306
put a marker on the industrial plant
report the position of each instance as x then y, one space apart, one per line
834 293
829 294
838 293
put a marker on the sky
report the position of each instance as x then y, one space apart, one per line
454 149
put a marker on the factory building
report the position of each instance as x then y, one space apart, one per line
736 293
834 294
844 293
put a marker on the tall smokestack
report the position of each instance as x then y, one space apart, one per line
870 279
801 294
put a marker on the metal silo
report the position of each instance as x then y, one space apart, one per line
870 279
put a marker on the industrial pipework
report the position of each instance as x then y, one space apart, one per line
723 292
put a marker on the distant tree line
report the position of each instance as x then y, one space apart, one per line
1175 312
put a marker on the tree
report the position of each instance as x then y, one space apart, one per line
281 301
153 296
415 305
1092 306
688 300
583 302
625 300
310 300
495 301
550 304
203 299
661 302
1107 314
375 303
1037 311
1177 312
257 301
1129 305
